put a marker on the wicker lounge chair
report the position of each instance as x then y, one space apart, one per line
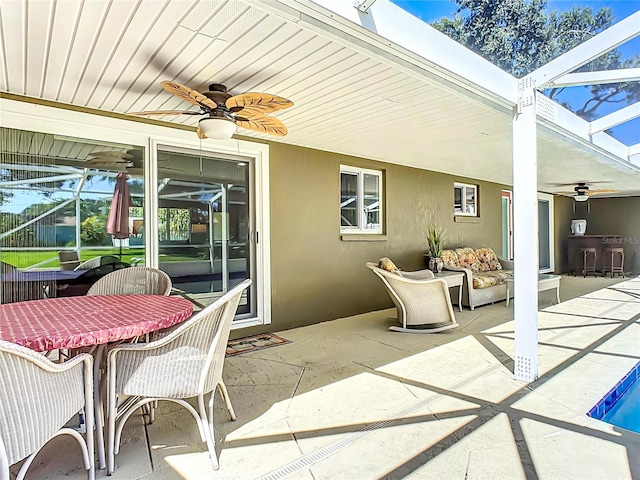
60 390
422 301
133 280
184 363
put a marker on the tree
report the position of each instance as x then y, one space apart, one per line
93 231
23 237
520 36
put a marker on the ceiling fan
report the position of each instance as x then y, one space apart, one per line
130 161
223 112
581 192
113 159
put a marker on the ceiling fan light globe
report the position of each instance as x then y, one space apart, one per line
217 128
581 197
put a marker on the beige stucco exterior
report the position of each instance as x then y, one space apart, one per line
316 274
605 216
618 216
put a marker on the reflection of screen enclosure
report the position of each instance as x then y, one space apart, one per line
55 195
203 223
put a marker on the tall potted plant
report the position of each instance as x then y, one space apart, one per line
435 244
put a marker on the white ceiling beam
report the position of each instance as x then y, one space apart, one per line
364 5
591 49
634 150
597 78
616 118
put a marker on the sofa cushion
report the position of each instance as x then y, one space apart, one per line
489 279
449 258
467 259
488 260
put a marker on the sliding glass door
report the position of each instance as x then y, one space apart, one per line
204 220
545 233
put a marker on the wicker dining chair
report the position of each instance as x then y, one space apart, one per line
186 362
133 280
37 398
69 259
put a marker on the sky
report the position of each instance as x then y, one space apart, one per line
629 132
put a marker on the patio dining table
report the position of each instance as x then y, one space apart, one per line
22 285
89 321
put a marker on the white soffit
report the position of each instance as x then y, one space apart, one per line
396 91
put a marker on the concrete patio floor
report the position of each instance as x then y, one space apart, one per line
348 399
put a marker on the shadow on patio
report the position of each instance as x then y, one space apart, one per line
349 399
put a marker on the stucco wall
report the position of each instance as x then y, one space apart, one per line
617 216
605 216
563 211
316 276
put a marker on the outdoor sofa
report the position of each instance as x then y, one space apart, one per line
485 274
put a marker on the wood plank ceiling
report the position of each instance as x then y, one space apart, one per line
111 55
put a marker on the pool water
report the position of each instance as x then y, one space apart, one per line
621 405
625 412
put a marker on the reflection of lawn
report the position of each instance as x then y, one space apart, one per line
49 258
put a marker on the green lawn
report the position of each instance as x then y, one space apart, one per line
25 259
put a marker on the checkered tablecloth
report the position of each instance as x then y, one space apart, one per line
74 322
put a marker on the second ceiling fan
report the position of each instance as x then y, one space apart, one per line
581 192
223 111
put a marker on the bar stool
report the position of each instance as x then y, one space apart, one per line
585 255
609 264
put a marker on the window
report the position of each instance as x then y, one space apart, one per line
360 200
465 199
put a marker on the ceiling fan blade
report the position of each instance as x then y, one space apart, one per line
200 133
100 162
601 190
251 104
189 95
111 154
167 112
263 124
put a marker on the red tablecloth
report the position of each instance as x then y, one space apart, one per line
74 322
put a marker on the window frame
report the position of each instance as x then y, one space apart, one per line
360 208
463 197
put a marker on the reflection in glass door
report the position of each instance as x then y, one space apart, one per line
204 220
545 232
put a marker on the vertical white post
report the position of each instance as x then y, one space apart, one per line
525 222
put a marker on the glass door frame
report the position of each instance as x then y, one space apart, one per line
32 115
548 198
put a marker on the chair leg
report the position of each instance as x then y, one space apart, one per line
207 423
111 434
227 400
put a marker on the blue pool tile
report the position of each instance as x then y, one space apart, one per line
607 402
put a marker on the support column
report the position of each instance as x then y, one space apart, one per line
525 233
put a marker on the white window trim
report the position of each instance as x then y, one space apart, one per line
360 172
58 121
464 187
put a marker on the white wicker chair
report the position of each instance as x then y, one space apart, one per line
133 280
185 363
37 398
423 301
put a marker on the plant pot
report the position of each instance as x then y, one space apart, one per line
435 264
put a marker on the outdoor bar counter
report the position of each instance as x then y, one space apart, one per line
599 242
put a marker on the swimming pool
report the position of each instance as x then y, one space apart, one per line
621 405
626 411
